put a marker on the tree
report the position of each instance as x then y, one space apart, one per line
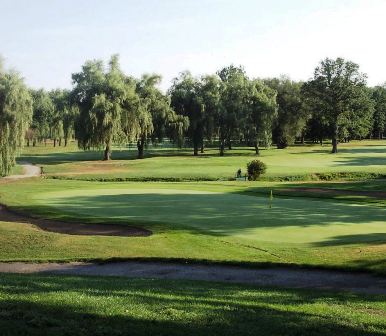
186 101
379 98
15 117
260 114
233 104
98 95
292 112
360 123
210 93
64 116
156 118
70 114
43 111
338 90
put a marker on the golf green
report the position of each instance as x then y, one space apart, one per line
289 220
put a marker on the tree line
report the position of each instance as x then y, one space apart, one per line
106 107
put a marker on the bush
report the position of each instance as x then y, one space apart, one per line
255 168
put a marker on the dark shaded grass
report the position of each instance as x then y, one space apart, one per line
51 305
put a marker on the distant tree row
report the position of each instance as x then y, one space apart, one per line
106 107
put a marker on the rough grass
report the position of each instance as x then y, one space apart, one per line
52 305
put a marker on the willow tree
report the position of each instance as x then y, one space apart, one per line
233 104
210 92
98 94
155 117
43 115
15 117
260 113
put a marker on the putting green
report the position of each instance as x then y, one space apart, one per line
290 220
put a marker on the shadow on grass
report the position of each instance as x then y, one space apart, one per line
363 161
366 149
127 154
367 238
214 213
36 305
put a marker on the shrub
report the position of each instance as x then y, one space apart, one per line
255 168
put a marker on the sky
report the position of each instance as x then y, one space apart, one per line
48 40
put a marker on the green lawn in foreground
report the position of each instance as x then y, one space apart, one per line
53 305
214 222
355 157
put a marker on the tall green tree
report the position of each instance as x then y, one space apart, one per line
43 114
210 92
234 104
15 117
156 118
99 95
186 101
338 90
260 114
292 112
379 98
61 101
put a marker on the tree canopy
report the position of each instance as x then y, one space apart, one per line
338 92
15 117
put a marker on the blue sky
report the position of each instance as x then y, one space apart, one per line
47 40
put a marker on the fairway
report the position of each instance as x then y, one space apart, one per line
302 162
290 220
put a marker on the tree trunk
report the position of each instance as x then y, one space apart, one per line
33 142
60 142
140 146
335 140
54 142
222 147
321 141
195 150
229 144
257 149
65 142
27 142
202 148
107 153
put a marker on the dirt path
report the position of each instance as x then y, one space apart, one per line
276 277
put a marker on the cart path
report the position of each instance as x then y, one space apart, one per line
274 277
29 170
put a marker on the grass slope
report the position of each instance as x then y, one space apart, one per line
49 305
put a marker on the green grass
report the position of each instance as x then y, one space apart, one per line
214 222
52 305
360 159
17 170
